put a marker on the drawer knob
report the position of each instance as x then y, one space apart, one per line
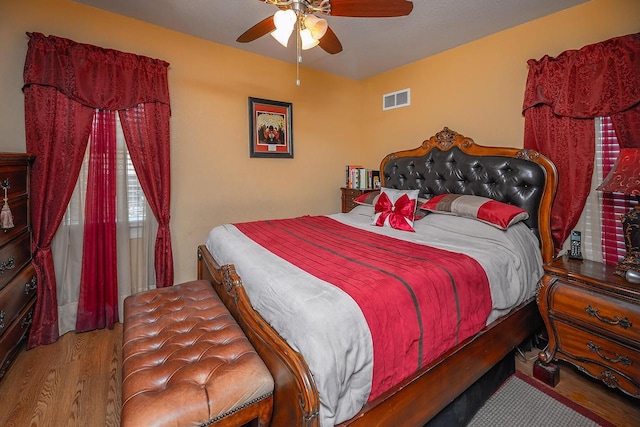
27 320
623 322
2 314
609 379
619 359
31 285
8 264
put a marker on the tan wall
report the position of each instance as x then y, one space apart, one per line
213 179
477 89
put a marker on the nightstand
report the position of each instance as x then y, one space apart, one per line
348 194
592 317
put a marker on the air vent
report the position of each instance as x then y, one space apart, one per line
398 99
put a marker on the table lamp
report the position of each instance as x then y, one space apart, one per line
624 178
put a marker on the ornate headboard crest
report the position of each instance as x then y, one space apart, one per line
452 163
528 154
446 137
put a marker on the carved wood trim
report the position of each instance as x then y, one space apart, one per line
293 380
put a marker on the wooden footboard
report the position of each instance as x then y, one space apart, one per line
411 403
295 398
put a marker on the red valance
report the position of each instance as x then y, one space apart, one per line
94 76
598 80
562 97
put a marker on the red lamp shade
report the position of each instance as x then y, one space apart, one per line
625 176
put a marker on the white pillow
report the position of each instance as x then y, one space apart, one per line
395 208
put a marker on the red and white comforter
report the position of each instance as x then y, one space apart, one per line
368 306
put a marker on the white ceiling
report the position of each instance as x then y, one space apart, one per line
371 45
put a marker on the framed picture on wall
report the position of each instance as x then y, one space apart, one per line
270 128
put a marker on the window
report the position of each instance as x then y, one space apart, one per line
602 238
136 203
136 235
135 195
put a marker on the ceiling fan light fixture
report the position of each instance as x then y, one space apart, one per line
317 26
284 20
282 35
306 40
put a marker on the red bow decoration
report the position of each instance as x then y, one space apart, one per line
399 213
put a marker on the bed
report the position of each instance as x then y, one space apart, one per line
305 395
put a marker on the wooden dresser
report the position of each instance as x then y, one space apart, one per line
348 194
593 321
17 276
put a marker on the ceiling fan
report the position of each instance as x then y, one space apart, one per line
312 31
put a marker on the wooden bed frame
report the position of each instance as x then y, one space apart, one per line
420 397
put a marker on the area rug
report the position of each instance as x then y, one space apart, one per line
522 401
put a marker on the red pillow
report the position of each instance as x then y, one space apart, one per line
368 198
492 212
395 209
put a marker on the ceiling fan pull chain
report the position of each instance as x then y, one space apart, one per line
298 50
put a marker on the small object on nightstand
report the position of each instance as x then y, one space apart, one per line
632 276
631 230
576 245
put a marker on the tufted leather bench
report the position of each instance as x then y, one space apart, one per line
187 362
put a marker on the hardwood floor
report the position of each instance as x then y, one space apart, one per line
77 382
612 405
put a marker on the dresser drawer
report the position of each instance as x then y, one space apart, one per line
349 204
354 192
614 363
16 295
348 194
615 315
17 275
11 339
16 177
19 210
13 257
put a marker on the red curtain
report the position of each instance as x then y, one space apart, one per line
146 131
627 127
562 97
57 130
98 300
64 82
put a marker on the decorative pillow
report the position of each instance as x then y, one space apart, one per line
395 209
492 212
370 198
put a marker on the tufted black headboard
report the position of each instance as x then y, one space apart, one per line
451 163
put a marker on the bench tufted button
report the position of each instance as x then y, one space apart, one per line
181 344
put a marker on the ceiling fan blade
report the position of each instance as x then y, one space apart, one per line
330 43
371 8
260 29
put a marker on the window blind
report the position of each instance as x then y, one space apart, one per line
613 205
